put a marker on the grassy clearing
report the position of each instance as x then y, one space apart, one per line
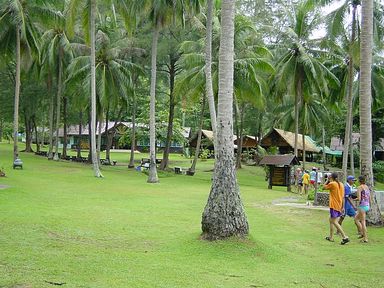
59 224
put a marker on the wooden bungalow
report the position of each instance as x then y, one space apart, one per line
285 142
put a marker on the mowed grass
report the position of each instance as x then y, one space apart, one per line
59 224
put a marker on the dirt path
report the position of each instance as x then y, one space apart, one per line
292 201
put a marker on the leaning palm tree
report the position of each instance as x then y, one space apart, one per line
18 27
366 44
224 214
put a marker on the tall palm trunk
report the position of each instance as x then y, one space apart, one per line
303 140
239 133
51 115
65 130
98 147
208 69
171 115
80 134
199 134
133 134
28 132
152 176
323 144
349 100
298 97
374 215
224 214
351 155
58 103
17 97
95 161
36 134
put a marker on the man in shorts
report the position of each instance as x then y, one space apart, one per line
349 207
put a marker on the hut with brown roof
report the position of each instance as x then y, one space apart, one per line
285 142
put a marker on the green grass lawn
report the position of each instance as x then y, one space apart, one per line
60 224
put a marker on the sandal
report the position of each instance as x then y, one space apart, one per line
363 241
344 241
329 239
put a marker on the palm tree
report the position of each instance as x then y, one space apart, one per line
366 44
224 214
18 27
208 67
300 65
56 49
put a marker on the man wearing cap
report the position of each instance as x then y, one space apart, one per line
349 208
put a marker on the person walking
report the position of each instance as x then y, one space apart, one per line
336 195
364 199
349 207
305 180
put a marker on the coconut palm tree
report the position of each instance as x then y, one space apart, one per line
366 46
18 36
161 13
300 64
224 214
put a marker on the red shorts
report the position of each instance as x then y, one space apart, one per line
312 182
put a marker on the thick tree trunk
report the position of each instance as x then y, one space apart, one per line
152 176
171 115
133 134
198 143
51 115
374 215
17 97
224 214
58 103
348 122
80 135
208 69
65 137
95 161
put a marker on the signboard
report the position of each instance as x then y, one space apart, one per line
278 176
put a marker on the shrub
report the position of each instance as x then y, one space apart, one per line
378 171
311 195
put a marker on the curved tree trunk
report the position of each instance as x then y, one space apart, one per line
351 158
348 123
28 132
200 133
51 115
17 97
152 176
98 146
208 69
374 215
58 103
95 161
224 214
